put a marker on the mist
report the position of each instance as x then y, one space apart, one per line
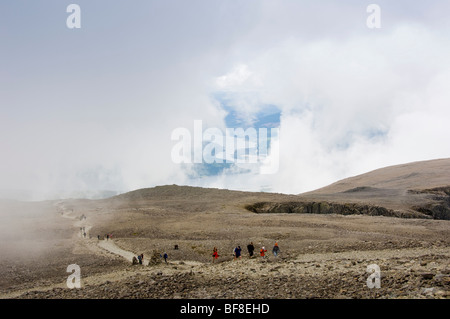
89 112
30 230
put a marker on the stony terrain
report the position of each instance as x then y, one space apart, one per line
323 255
412 275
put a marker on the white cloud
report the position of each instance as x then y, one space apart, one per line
355 105
97 108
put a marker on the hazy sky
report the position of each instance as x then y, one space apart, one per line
94 108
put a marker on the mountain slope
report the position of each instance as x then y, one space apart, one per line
418 190
417 175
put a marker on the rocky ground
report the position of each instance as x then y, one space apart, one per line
322 256
410 273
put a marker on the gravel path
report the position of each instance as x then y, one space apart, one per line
111 247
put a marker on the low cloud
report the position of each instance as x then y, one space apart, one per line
94 110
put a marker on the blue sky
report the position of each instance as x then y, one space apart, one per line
93 108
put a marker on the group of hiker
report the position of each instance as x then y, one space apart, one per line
237 251
83 231
107 236
140 258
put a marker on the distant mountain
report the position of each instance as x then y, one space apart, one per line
419 189
412 176
415 190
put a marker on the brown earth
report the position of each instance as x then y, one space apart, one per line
414 190
323 254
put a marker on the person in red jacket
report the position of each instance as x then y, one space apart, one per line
262 252
215 254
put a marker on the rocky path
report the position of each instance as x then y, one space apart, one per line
82 226
111 247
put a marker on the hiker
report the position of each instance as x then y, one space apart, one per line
165 257
237 252
107 236
140 259
276 250
262 252
215 254
250 249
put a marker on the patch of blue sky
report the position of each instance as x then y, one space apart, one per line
267 117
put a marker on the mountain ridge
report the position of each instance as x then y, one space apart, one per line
411 190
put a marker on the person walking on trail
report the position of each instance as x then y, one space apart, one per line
215 254
276 250
107 236
262 252
165 256
250 249
237 252
140 259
